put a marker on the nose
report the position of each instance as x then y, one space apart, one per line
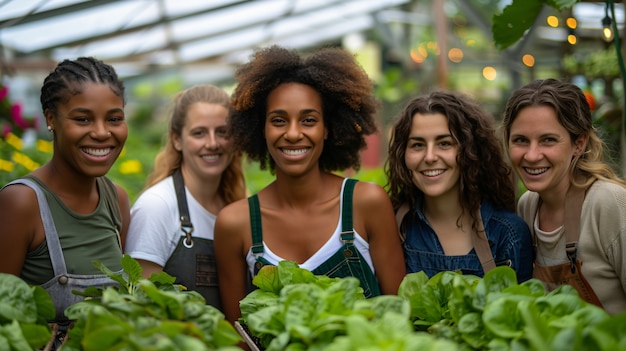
533 153
100 131
293 132
431 155
211 142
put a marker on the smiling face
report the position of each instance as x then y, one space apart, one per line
89 130
294 128
541 150
430 156
204 140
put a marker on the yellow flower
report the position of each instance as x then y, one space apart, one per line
6 166
25 161
44 146
130 167
14 141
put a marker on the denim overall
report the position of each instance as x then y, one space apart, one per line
346 262
193 259
60 287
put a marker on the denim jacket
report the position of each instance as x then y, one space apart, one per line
508 235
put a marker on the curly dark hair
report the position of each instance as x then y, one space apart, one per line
347 97
484 175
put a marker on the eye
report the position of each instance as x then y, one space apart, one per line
416 145
221 132
116 119
519 140
197 133
549 140
277 121
309 121
82 119
446 144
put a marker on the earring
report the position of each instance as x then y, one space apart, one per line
109 133
50 129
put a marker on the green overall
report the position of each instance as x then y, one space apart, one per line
346 262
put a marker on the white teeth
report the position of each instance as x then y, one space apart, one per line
210 157
297 152
536 171
97 152
433 172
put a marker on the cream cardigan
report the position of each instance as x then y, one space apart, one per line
602 241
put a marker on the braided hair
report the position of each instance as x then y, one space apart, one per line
70 76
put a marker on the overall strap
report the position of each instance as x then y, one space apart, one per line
347 227
255 224
481 246
571 222
52 237
183 210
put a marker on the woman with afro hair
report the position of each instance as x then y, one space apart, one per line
306 118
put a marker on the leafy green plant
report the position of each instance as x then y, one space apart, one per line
510 26
497 313
293 309
24 311
147 314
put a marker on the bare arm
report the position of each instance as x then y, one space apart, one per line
21 228
149 268
374 213
231 228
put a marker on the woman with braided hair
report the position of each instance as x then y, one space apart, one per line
305 118
64 215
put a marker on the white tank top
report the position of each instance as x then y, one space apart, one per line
332 245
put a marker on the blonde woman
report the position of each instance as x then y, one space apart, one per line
575 204
195 176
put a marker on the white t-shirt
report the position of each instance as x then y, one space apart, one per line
154 229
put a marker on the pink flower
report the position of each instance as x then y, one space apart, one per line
6 130
4 91
16 114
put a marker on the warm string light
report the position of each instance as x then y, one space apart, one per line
571 24
607 30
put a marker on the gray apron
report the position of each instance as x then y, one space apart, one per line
193 259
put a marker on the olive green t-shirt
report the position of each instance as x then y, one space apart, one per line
84 238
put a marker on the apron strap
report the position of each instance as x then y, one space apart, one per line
183 210
482 248
347 227
571 222
52 237
255 224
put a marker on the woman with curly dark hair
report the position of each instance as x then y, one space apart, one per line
305 118
452 190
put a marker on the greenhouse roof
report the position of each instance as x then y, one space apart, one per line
143 36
